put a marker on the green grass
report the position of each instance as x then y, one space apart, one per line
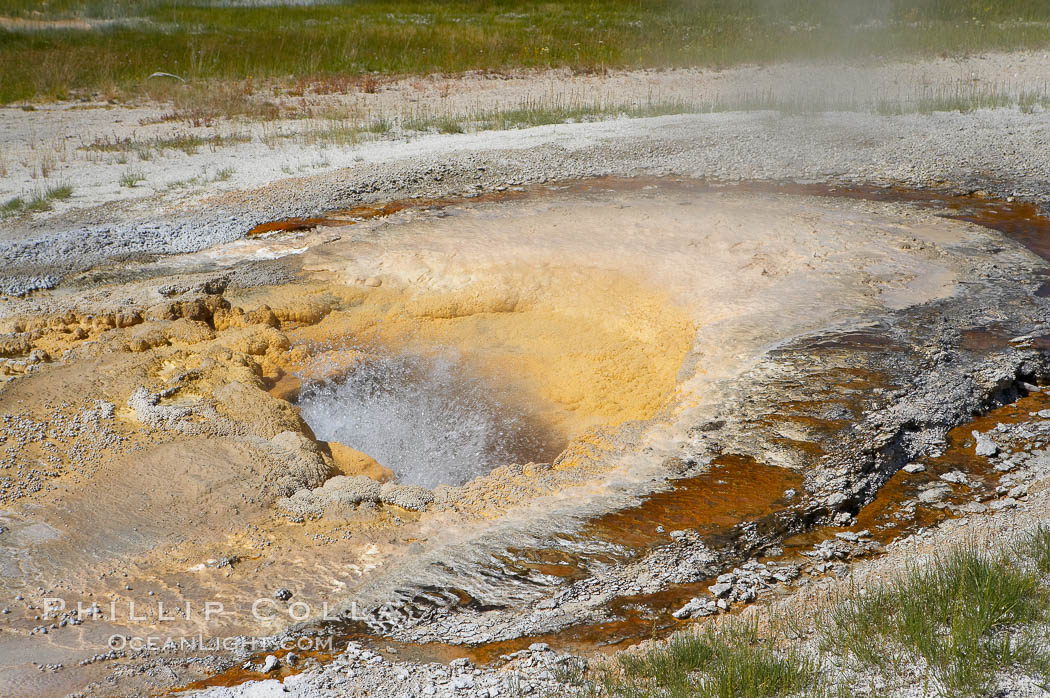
959 620
730 662
12 206
317 43
956 614
40 201
1036 547
131 178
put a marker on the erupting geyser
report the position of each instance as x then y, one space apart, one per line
424 417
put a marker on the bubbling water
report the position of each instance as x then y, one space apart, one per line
427 418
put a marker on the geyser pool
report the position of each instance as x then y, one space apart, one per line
427 418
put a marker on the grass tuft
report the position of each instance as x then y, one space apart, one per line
12 206
1036 546
40 201
728 662
955 614
131 178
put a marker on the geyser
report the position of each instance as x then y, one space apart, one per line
427 418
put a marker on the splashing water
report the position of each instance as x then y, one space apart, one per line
425 418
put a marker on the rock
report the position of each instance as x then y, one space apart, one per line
1001 504
913 468
985 446
149 411
956 476
297 462
351 490
462 683
270 663
282 594
721 589
1018 491
339 490
837 500
539 647
411 497
934 494
350 461
286 388
692 606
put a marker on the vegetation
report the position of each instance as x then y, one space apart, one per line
187 143
40 201
730 662
955 622
114 47
957 615
131 178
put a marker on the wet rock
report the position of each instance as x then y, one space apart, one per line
721 589
282 594
353 462
956 476
297 463
696 608
411 497
932 495
270 663
848 536
286 388
985 446
913 468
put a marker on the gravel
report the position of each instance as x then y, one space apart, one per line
1004 152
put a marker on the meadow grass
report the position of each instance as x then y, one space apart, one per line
202 42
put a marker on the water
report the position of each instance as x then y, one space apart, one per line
426 418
